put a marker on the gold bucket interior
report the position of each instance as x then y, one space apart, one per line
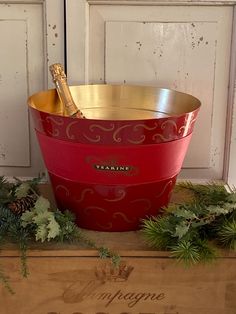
119 102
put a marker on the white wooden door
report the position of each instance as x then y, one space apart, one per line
31 36
186 48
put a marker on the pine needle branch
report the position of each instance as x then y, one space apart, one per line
186 252
23 258
5 282
103 252
158 231
22 220
187 229
227 234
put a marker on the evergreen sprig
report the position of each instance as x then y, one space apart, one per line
5 281
38 222
6 191
189 230
11 230
18 235
226 234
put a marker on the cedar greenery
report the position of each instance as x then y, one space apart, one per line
23 221
192 231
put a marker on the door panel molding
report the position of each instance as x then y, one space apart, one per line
79 13
41 43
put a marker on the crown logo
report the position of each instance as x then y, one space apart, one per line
108 272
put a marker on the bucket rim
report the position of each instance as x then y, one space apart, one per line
149 90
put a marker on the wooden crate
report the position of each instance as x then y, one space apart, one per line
72 280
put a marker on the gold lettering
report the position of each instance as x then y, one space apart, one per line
160 296
104 296
149 295
118 294
138 297
129 296
112 168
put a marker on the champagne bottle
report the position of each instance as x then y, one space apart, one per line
60 80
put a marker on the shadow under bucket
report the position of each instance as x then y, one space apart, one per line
120 164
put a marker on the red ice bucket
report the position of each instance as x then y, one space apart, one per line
120 164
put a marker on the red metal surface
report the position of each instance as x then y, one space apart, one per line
87 163
112 174
105 207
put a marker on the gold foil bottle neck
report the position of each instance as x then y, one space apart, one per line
60 81
57 72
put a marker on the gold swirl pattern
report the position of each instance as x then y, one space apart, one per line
169 183
145 200
183 129
89 208
97 137
108 226
142 139
83 194
163 126
122 194
162 137
103 128
188 123
94 140
170 122
62 187
144 126
58 122
54 133
115 136
70 136
123 216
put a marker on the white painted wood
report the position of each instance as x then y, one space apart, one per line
77 32
231 139
232 159
13 92
54 37
23 62
161 2
219 167
124 49
174 55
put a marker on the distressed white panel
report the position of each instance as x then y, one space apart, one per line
185 48
76 38
14 137
31 35
178 56
54 37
